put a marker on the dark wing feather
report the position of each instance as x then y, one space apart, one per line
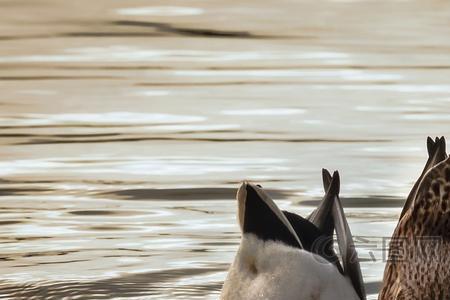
328 217
346 245
259 215
321 216
312 239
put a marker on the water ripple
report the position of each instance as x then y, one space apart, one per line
168 11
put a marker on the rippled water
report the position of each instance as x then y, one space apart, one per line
126 127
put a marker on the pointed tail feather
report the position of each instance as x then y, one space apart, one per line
436 154
346 245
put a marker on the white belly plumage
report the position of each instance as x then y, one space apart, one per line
270 270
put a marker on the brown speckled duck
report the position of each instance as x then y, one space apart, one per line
418 267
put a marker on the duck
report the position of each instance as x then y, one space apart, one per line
418 265
284 256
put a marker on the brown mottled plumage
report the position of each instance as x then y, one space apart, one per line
418 267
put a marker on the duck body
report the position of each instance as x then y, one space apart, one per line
418 265
283 256
269 270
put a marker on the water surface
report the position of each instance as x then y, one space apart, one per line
126 127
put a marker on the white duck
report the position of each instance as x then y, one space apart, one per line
283 256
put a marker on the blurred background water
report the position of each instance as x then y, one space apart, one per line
126 126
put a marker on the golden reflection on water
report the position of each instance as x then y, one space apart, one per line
126 126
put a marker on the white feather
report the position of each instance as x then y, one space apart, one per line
270 270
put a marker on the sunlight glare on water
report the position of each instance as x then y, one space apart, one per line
126 128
